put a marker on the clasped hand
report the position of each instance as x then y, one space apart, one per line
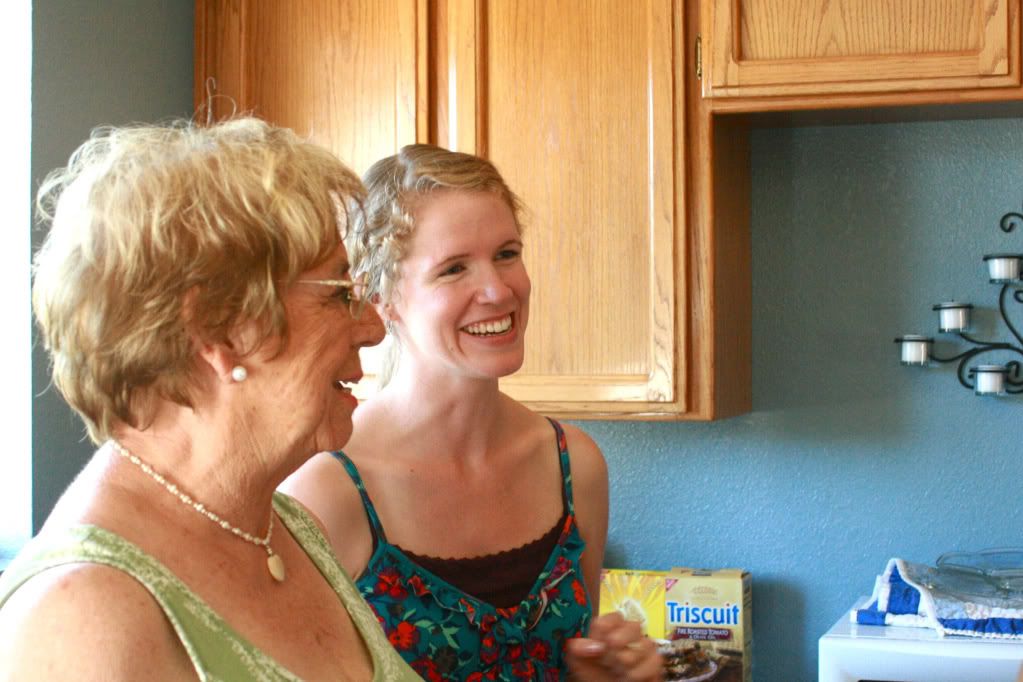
615 651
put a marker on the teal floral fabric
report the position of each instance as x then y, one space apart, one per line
445 634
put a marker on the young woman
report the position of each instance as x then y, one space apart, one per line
476 526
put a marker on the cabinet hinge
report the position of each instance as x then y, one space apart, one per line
699 58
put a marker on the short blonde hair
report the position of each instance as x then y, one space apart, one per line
378 240
145 217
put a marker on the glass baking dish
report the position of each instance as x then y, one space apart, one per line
1000 568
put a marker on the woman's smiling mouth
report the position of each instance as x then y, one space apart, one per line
489 328
347 384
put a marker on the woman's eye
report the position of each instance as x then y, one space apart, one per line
342 294
508 254
453 269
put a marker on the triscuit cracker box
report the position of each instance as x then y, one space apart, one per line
709 624
637 595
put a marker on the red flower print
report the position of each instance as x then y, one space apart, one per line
579 592
560 568
404 636
487 622
524 670
470 610
539 650
427 670
566 529
475 677
513 652
488 649
417 585
380 618
389 582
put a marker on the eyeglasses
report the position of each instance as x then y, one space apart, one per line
348 291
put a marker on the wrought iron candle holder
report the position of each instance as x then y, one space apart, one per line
954 318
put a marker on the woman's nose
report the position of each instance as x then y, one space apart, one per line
371 327
492 288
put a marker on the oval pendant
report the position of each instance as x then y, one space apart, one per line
276 566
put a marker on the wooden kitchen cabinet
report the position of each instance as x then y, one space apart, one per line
786 48
349 73
583 108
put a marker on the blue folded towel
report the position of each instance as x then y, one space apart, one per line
918 595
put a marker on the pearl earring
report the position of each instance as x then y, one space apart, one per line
239 373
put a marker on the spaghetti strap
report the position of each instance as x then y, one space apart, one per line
566 469
371 512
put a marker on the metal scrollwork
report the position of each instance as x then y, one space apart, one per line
1010 221
966 370
1013 379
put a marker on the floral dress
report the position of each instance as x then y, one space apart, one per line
446 634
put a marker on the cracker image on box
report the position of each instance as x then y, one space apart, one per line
708 625
637 595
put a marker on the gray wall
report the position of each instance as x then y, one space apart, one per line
94 63
847 460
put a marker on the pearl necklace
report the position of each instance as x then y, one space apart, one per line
274 563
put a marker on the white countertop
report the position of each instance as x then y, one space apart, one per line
850 651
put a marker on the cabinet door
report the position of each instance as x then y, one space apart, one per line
804 47
578 105
350 74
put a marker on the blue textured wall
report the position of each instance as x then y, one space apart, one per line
93 63
848 458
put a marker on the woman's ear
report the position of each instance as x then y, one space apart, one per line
220 356
386 311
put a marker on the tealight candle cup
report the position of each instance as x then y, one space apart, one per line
916 349
953 316
990 379
1003 267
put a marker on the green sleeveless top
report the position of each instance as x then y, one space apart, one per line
217 651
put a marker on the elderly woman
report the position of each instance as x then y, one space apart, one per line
194 295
